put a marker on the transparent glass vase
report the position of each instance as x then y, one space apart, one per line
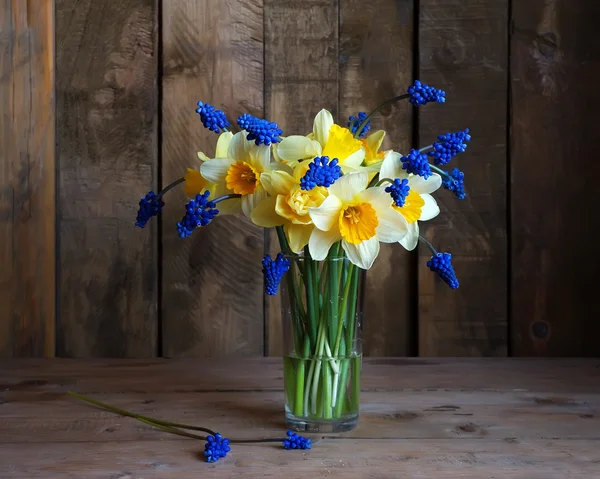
322 341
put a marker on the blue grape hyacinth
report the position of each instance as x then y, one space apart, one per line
199 212
416 163
321 172
216 447
263 132
421 94
273 271
356 121
455 182
150 206
448 146
441 263
294 441
212 119
398 190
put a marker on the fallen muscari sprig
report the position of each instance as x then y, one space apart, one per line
398 190
216 446
416 163
151 205
263 132
212 119
273 271
448 146
321 172
355 121
421 94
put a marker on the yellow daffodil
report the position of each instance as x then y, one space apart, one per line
327 139
361 218
239 172
288 205
419 205
372 144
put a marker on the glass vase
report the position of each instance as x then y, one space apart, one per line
322 343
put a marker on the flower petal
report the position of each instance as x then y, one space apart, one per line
277 182
260 157
321 241
411 239
391 166
425 186
321 126
354 160
430 209
194 183
362 254
223 144
346 187
239 147
203 157
264 214
392 226
375 139
326 216
215 170
298 235
250 201
232 206
298 147
377 197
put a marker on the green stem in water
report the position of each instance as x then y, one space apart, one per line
376 110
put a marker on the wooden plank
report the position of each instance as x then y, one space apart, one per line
27 193
301 78
212 282
370 73
463 50
542 376
106 115
423 414
553 79
181 459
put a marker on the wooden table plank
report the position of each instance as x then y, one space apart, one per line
472 459
468 418
382 374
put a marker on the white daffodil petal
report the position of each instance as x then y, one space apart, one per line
321 126
377 197
362 254
249 202
355 159
215 170
298 147
391 166
203 157
223 144
346 187
392 226
425 186
321 241
239 147
264 214
430 209
411 239
298 235
325 216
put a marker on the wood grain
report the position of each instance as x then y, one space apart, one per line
301 78
555 65
106 71
370 73
27 174
212 282
463 50
513 418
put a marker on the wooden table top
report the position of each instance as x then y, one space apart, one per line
420 418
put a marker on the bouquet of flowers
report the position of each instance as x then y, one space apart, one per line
332 196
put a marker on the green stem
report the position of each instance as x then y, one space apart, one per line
345 299
376 110
327 390
310 295
139 417
352 311
384 180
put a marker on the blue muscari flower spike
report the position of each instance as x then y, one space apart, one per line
356 121
441 263
216 447
199 212
294 441
455 182
214 120
448 146
150 205
421 94
416 163
263 132
321 172
399 191
273 271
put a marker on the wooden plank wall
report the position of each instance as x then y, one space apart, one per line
521 75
